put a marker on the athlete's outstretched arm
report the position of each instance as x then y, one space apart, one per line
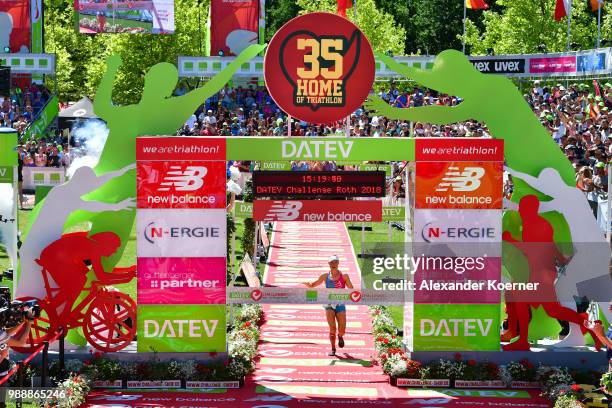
436 114
112 174
317 282
99 206
196 97
103 102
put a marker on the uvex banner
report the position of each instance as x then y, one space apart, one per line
181 233
499 66
319 67
180 148
181 328
456 327
468 185
181 280
464 149
176 184
233 26
320 210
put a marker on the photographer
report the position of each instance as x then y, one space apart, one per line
13 337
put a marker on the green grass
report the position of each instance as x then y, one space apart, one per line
379 233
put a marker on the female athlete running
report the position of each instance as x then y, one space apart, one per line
338 280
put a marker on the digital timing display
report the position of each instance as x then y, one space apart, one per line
318 184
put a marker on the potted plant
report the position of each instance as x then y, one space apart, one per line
102 372
571 397
480 375
520 374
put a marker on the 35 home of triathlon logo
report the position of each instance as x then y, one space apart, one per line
460 185
321 79
185 184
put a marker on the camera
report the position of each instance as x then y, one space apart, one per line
12 313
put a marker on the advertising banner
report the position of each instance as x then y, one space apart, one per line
15 25
465 149
233 26
545 65
329 148
243 210
181 328
456 327
181 233
44 119
397 214
297 295
180 148
470 185
327 64
181 281
499 66
181 184
459 226
319 210
595 61
6 174
128 17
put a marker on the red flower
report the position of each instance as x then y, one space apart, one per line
87 362
97 354
213 354
458 357
386 341
393 337
471 363
524 362
226 363
576 388
383 356
246 324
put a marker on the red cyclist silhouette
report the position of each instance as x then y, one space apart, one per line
106 315
66 260
542 254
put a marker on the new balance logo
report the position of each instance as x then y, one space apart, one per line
284 211
466 180
190 179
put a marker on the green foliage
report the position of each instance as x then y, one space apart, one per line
278 12
522 25
379 26
80 58
437 25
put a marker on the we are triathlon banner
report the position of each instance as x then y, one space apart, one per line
15 25
234 25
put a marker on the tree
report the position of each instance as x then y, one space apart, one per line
437 25
277 14
81 58
380 27
523 25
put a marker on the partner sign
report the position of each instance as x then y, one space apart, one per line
181 281
181 328
319 67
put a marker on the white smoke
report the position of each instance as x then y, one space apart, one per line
92 136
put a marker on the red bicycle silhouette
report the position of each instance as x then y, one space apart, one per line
107 316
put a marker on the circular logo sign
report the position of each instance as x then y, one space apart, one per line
319 67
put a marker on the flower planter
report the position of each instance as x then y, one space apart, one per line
213 384
525 384
414 382
107 384
479 384
159 384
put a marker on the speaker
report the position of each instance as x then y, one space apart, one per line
5 81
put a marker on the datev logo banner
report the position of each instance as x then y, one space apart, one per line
181 233
181 328
435 226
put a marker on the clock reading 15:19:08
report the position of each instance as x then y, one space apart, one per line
318 184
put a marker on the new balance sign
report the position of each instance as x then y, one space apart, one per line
461 185
163 184
323 210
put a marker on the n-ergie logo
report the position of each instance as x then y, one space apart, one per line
153 232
